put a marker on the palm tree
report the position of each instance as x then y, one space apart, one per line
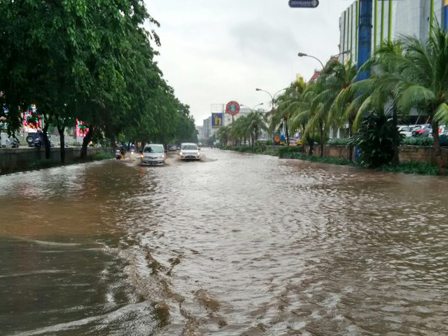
256 125
239 130
376 95
417 75
224 135
336 97
317 125
289 103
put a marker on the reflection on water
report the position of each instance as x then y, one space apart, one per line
234 245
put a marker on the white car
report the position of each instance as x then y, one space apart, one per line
153 154
405 130
189 151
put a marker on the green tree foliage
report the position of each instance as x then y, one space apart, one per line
410 74
92 61
246 128
375 140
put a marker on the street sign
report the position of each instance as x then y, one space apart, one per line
233 108
217 120
303 3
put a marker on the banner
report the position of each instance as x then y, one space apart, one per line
81 129
31 120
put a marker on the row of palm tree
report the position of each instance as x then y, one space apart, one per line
244 130
404 75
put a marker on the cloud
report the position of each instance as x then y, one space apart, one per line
214 51
263 39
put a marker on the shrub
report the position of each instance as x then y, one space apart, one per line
417 142
283 151
376 140
339 142
273 152
103 156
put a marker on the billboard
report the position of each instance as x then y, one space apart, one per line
218 108
217 119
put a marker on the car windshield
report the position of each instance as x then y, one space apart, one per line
405 128
153 149
189 147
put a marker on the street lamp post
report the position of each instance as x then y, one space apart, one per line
272 101
253 108
300 54
272 96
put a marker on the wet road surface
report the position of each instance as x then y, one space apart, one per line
234 245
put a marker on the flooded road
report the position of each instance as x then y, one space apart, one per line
234 245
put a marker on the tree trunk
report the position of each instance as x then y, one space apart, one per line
438 148
311 144
321 139
287 132
350 134
396 139
61 130
46 141
85 144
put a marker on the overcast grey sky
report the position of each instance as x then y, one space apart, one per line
214 51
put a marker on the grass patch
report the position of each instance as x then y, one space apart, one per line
419 168
312 158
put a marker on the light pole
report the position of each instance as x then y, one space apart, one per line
253 108
272 102
272 96
300 54
341 53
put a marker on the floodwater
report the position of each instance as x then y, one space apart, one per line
236 244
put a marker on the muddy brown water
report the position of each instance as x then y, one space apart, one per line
234 245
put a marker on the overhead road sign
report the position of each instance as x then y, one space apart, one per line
233 108
303 3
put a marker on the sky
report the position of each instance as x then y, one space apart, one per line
216 51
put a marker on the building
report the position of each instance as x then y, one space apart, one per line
207 128
200 130
391 19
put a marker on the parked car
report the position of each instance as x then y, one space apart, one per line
189 151
405 130
153 154
293 142
423 131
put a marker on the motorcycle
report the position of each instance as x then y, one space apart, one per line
37 141
118 154
15 143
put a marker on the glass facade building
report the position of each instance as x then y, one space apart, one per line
390 20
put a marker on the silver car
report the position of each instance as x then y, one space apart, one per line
153 154
189 151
